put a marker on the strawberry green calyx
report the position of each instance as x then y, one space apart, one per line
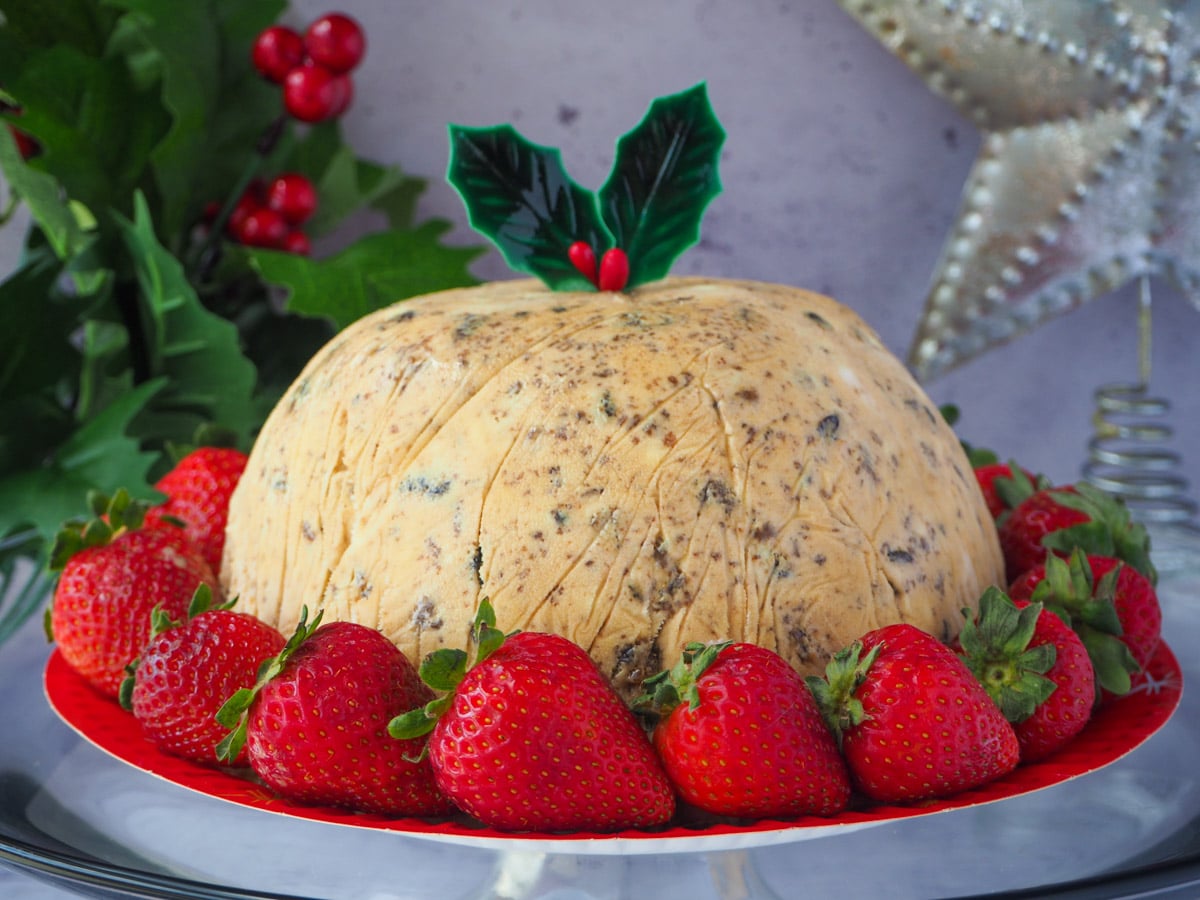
996 650
518 195
443 670
835 693
1111 531
110 515
671 687
1070 590
236 710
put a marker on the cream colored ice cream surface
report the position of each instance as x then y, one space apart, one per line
695 460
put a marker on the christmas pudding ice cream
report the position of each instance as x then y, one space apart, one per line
630 461
693 460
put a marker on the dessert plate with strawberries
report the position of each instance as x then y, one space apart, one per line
1117 730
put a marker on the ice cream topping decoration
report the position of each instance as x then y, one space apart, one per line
647 213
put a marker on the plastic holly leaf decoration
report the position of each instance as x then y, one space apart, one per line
519 195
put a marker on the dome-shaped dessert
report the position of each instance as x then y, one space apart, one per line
698 459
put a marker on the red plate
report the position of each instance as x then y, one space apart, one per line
1118 728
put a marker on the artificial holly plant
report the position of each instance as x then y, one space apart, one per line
134 130
646 214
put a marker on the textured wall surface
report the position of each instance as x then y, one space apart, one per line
842 174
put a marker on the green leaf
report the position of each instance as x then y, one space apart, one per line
664 177
187 42
443 669
413 724
100 453
518 195
44 196
200 353
96 126
374 272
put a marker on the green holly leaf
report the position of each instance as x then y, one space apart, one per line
100 453
185 45
374 272
43 194
518 195
664 177
210 379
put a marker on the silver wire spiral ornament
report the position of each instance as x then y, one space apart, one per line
1128 454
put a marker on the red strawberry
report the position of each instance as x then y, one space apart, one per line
315 725
198 489
532 738
187 671
1112 606
914 723
1005 485
1060 519
742 736
113 576
1036 669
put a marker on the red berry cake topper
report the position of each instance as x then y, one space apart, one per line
648 212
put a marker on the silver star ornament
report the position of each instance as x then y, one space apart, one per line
1088 174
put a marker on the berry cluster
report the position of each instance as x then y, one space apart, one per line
270 214
313 68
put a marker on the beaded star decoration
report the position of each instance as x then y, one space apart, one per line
1089 166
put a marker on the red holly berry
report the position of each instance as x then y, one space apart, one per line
583 258
532 738
914 723
187 671
614 270
263 227
313 93
114 574
292 196
742 736
336 42
198 489
297 242
1036 669
276 51
1061 519
315 726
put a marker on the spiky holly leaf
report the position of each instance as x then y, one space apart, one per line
664 177
519 196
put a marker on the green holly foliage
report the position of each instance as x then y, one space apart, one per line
126 329
518 193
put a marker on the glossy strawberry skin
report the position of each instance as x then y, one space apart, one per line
930 728
187 672
755 746
1059 719
198 489
100 617
1135 600
1022 532
317 732
536 740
